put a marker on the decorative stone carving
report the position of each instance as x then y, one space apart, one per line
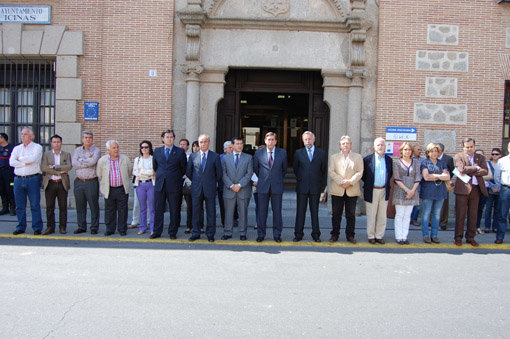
193 16
442 61
192 71
441 87
443 34
447 138
440 113
276 7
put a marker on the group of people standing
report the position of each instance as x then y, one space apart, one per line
166 175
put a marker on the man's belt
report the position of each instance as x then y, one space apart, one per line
58 180
85 180
27 176
379 187
507 186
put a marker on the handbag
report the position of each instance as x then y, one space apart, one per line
449 185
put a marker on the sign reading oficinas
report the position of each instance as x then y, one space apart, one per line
25 14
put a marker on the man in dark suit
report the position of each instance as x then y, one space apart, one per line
237 172
270 166
205 172
377 172
169 163
443 222
310 166
472 168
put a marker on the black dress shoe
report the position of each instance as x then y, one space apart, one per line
260 239
79 230
193 238
334 238
372 241
210 239
226 237
187 231
18 232
12 212
123 234
4 211
173 237
37 232
297 239
106 234
278 239
243 237
154 236
380 241
317 239
92 231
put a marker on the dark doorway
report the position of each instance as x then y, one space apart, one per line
285 102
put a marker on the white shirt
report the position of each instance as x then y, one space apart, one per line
21 156
474 181
346 158
56 161
502 171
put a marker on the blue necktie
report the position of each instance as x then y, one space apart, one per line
270 159
167 153
310 155
237 160
203 161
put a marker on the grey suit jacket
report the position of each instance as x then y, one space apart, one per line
240 175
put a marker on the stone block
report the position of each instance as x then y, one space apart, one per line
31 42
450 114
443 61
69 89
443 34
11 38
71 44
69 131
507 41
65 110
67 66
441 87
447 138
51 39
1 44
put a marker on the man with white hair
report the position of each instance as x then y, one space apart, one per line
114 173
377 172
227 149
26 160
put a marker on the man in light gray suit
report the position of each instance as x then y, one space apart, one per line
237 172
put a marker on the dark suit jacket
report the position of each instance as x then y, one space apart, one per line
464 167
449 163
65 165
169 172
270 178
369 176
311 176
209 179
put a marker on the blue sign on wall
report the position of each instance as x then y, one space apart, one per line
91 111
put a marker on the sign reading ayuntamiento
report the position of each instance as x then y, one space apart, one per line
25 14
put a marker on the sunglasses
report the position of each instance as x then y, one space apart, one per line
144 147
496 154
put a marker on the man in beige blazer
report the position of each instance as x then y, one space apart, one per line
114 173
345 171
55 167
467 194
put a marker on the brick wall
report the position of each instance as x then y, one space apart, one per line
123 40
481 33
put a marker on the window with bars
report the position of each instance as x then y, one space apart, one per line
27 98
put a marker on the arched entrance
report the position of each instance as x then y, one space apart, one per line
285 102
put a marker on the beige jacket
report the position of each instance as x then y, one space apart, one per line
103 173
65 165
339 171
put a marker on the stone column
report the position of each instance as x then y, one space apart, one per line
354 108
192 78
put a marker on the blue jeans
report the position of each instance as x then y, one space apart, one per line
504 205
427 206
414 214
491 211
30 187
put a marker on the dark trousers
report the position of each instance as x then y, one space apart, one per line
189 210
198 212
116 210
173 198
303 200
222 205
276 207
481 206
87 192
6 187
56 190
443 221
466 204
337 204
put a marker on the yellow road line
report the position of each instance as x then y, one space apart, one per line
254 243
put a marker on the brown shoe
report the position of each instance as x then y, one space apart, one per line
426 240
380 241
498 241
334 238
458 242
62 230
435 240
372 241
472 242
49 230
351 240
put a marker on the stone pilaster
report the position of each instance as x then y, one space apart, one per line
354 107
192 77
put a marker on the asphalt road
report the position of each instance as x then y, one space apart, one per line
70 288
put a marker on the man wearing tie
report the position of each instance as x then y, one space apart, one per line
467 194
237 172
205 172
310 165
270 166
169 163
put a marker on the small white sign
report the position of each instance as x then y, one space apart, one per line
153 73
401 133
25 14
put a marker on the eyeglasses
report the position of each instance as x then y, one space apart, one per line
496 154
144 147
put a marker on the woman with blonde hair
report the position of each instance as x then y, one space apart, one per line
433 191
406 174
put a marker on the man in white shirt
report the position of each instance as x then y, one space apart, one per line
26 160
502 179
